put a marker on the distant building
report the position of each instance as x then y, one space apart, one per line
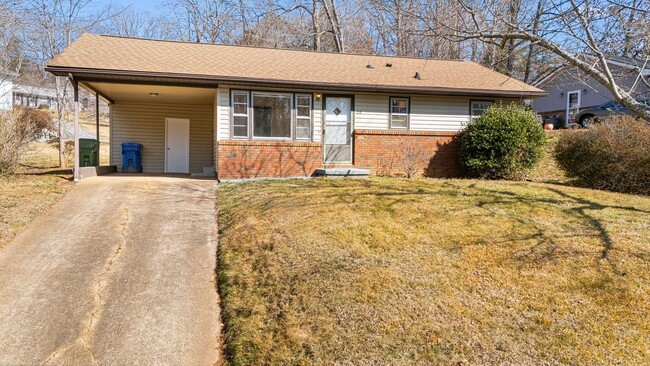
570 90
34 97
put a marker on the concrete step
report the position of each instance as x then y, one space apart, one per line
342 172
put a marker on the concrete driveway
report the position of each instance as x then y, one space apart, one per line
119 272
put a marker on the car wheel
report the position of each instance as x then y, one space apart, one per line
587 121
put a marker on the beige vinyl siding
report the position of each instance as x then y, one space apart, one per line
144 123
371 112
223 118
444 114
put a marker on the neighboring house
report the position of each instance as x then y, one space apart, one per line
257 112
34 96
570 90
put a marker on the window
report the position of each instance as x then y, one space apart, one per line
240 114
477 107
303 116
272 115
399 112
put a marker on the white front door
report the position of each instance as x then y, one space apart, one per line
177 149
337 134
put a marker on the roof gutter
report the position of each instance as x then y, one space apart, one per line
90 74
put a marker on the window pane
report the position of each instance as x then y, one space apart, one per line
303 128
399 105
398 121
303 100
304 112
240 121
271 115
240 126
239 131
302 133
240 98
478 107
240 109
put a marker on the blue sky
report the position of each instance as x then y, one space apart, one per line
152 6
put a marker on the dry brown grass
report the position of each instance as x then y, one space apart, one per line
37 185
418 272
547 170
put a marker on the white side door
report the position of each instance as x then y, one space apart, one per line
177 145
572 104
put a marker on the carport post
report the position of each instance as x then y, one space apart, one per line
75 87
97 123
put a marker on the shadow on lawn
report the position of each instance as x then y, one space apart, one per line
65 174
546 246
579 210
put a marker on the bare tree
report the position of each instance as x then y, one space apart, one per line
334 24
127 22
52 26
11 54
583 33
208 21
395 27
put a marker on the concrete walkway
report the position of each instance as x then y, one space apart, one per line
119 272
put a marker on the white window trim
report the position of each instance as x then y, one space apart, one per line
309 118
233 114
407 114
568 98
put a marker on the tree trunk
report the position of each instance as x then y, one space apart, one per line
315 22
335 23
60 110
531 46
510 57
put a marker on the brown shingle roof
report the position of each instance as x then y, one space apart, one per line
94 53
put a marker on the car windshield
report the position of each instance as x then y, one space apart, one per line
616 106
612 105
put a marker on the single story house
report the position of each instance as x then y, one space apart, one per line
259 112
34 96
570 90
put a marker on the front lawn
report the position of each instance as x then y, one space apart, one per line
404 272
35 187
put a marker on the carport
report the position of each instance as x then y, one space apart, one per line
172 117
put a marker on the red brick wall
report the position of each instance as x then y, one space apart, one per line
383 152
264 159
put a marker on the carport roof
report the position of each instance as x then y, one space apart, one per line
109 58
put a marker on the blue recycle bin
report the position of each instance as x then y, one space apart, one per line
131 157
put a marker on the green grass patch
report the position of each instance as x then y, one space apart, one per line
406 272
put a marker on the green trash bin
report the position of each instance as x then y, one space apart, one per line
88 149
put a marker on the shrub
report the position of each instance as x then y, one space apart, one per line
503 143
17 128
614 156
